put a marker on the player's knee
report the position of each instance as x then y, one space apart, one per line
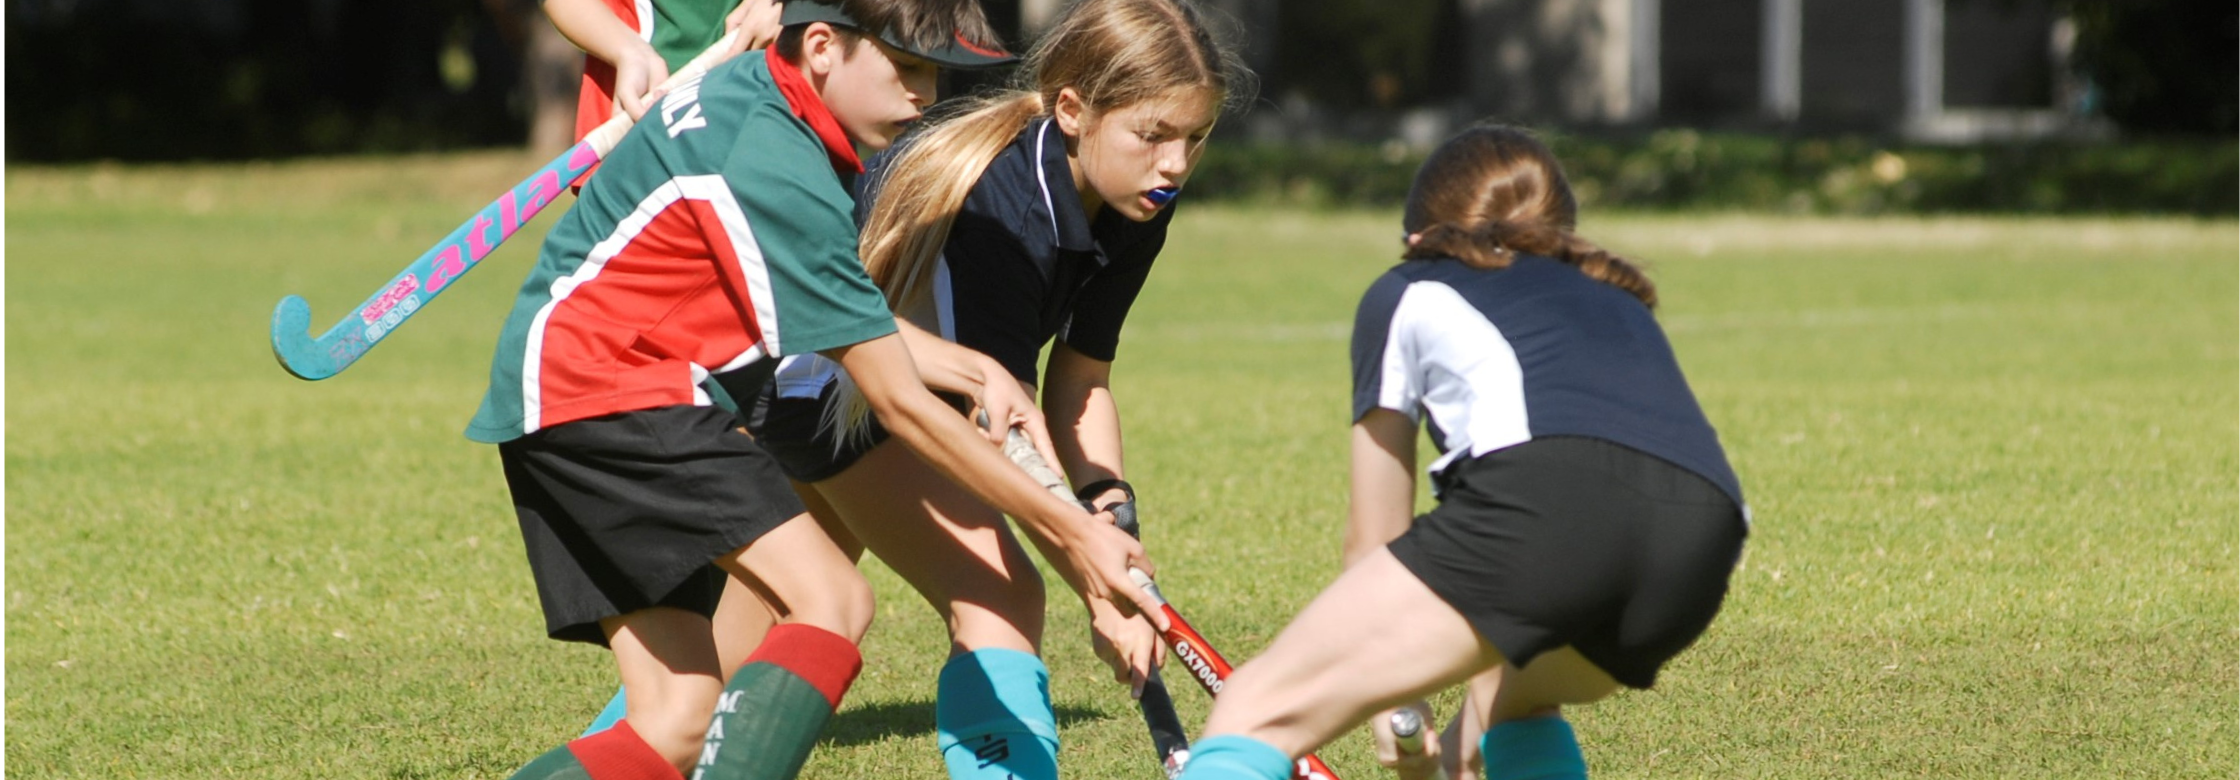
841 603
676 732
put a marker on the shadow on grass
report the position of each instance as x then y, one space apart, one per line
878 722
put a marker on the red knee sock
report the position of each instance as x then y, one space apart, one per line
822 658
620 754
777 704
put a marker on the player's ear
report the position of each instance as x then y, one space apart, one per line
1071 112
820 49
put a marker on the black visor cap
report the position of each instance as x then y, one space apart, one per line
955 53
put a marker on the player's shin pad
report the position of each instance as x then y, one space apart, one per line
995 718
1229 757
616 753
1542 748
777 703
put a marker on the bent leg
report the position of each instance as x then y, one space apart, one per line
797 571
958 553
777 701
1374 639
668 664
993 709
1527 738
744 615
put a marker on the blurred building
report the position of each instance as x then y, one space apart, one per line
1928 70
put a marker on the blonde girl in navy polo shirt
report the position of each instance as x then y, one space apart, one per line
1587 518
1027 216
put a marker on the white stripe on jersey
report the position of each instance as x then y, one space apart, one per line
1444 357
532 356
699 390
645 20
1042 179
717 193
710 189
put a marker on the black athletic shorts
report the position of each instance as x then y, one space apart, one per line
792 430
1580 542
627 511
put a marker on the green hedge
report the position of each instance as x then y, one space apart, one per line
1686 169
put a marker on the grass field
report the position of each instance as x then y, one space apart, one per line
1992 462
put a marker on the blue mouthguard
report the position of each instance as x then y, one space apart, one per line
1163 195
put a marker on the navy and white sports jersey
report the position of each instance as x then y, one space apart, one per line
1023 264
1497 358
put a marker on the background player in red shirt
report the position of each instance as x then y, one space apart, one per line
634 46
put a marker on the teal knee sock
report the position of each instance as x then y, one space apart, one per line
1229 757
995 719
1541 748
609 716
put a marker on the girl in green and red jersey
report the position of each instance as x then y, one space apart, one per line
714 241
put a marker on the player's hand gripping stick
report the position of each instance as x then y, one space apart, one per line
1159 717
1408 736
1206 664
456 254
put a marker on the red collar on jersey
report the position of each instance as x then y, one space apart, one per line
805 104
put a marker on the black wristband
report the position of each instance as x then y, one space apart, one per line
1123 513
1100 486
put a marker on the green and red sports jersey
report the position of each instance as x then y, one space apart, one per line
718 234
678 30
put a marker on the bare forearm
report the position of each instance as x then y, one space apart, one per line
594 29
943 365
1382 503
1085 429
1084 418
953 447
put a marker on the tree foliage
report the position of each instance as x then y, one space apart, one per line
2162 66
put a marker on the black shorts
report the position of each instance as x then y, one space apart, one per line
792 429
627 511
1580 542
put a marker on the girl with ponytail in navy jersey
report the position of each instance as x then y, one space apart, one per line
1027 217
1587 519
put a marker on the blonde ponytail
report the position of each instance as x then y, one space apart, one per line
1113 53
919 194
913 203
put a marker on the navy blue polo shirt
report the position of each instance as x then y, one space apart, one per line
1496 358
1024 263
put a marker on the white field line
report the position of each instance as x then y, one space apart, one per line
1676 323
1713 235
1827 318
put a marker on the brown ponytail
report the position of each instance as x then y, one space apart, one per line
1493 191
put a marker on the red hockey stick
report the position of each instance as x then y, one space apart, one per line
1209 668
